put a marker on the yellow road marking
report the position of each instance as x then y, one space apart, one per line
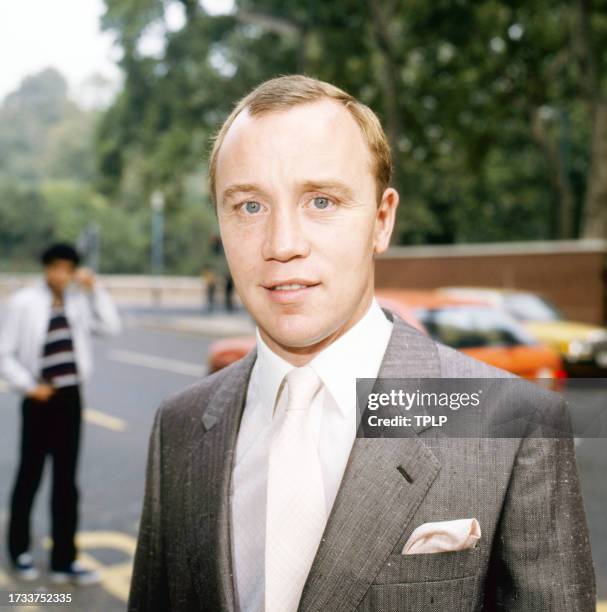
104 420
601 606
107 539
115 578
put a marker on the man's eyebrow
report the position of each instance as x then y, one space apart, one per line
336 186
239 188
320 185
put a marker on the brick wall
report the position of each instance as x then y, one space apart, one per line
572 274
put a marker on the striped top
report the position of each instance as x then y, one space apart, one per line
58 359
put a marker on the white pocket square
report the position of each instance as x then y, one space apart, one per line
443 536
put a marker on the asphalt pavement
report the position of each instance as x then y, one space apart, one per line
159 353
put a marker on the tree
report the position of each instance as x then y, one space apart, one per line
481 102
589 28
47 170
26 119
25 225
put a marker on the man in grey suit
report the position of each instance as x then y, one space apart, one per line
259 494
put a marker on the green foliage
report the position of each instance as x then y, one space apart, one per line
25 225
48 188
457 85
26 119
124 237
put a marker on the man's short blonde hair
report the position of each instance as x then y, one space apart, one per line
287 91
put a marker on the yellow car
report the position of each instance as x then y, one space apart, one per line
583 346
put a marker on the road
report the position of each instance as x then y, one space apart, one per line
134 372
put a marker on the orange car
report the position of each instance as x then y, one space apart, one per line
474 328
481 331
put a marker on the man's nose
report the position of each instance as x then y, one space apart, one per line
285 237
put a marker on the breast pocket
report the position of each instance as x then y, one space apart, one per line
458 595
429 567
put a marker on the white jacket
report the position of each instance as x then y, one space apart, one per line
25 324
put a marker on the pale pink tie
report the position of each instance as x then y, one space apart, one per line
296 511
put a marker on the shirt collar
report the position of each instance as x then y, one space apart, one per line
356 354
270 370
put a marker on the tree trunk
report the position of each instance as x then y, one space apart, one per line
595 211
594 220
387 80
559 178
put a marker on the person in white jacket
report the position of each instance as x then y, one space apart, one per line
46 356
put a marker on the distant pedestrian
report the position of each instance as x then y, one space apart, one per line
45 354
209 281
229 292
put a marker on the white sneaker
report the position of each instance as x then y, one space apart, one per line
24 568
76 574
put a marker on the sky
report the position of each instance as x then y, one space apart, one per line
66 34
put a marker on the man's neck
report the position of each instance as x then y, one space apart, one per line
300 356
57 297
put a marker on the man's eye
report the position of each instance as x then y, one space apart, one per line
251 207
321 203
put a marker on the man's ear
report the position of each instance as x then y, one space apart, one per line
384 220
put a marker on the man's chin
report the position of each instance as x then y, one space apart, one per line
300 340
295 338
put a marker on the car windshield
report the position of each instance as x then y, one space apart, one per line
473 327
529 307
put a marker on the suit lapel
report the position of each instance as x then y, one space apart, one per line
209 478
383 485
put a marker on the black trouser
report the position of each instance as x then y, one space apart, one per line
48 428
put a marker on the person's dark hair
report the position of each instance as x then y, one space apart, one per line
60 251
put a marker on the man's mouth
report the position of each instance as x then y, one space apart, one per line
288 290
290 285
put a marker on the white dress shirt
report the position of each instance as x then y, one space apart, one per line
356 354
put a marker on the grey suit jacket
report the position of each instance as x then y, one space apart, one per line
534 553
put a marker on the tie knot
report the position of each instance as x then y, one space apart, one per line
303 383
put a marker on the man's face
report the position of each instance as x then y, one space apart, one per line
59 274
299 220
